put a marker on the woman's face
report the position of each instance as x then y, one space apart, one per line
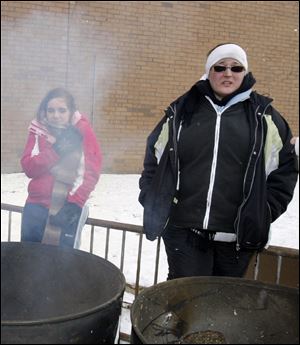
225 82
57 112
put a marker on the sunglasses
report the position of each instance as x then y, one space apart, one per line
234 69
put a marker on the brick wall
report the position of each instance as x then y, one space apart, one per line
126 61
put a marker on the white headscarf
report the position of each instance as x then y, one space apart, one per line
224 51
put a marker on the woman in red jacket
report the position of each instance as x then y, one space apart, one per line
63 160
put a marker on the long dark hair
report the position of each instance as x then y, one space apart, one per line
55 93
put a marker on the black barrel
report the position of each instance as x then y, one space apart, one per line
55 295
215 310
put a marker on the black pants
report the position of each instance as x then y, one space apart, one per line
217 259
34 220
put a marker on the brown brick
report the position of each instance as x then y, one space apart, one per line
144 54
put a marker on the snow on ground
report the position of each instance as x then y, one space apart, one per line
116 199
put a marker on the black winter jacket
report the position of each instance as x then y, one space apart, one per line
265 195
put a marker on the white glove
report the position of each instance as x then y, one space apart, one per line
295 141
297 146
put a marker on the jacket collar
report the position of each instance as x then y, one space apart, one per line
188 102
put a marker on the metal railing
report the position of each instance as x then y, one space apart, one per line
108 226
278 252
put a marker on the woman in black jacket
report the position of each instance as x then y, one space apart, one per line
219 168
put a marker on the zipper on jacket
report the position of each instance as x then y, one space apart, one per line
176 135
174 148
253 152
214 161
174 138
213 171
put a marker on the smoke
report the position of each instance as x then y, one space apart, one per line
44 49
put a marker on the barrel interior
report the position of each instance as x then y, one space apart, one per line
216 310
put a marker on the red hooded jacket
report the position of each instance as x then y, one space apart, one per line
39 158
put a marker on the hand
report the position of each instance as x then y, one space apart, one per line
68 141
67 216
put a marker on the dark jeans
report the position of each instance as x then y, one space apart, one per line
217 259
34 220
68 233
